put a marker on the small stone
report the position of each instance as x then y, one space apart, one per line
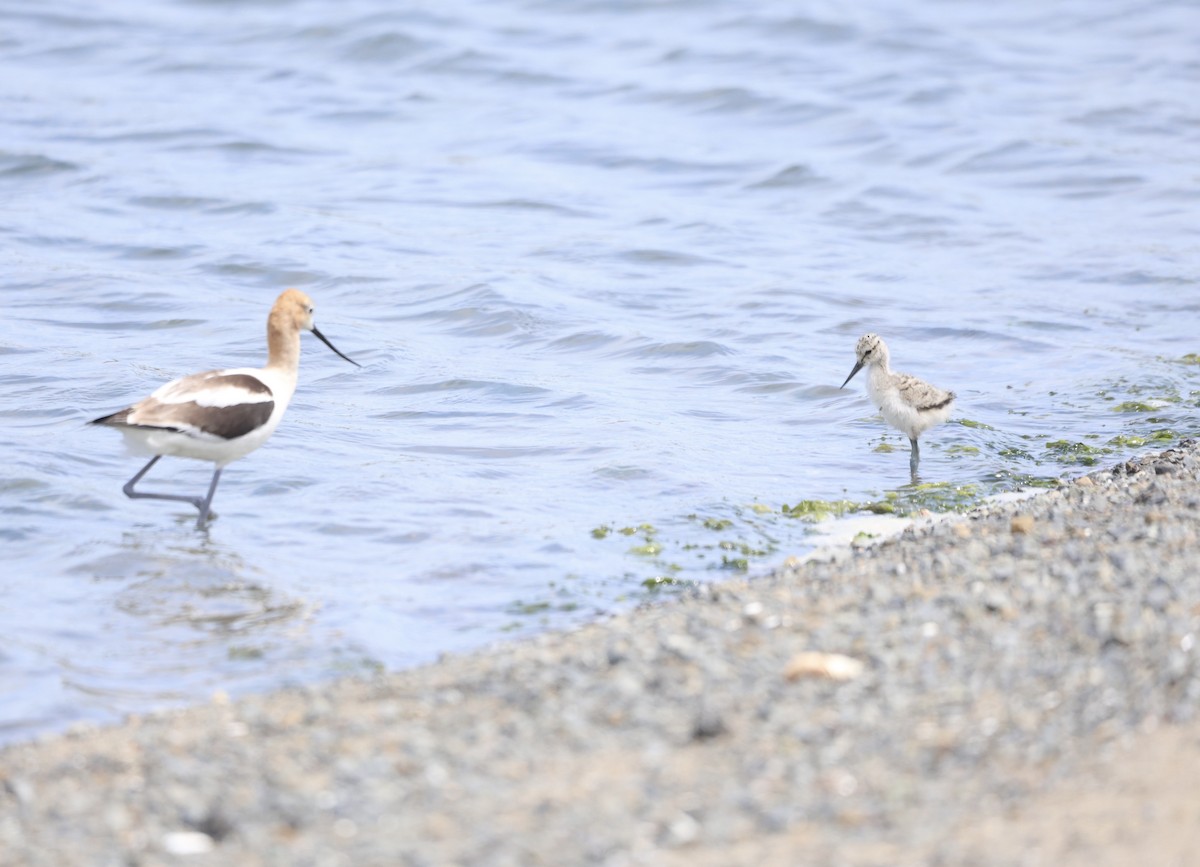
1022 524
1160 595
187 843
684 829
997 603
708 725
213 824
1085 482
20 789
1151 495
831 666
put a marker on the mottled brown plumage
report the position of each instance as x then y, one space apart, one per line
908 404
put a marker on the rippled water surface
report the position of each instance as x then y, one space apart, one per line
604 264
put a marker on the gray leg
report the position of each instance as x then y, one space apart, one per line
201 504
203 507
148 495
916 453
128 489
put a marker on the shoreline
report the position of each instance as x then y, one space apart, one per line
994 659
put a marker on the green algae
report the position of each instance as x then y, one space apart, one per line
819 510
731 541
908 500
1067 452
929 496
1134 406
962 450
1131 441
1008 480
661 582
527 609
650 549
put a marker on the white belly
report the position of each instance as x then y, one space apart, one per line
900 414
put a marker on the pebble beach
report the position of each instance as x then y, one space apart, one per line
1016 686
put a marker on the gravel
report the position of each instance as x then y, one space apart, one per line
866 708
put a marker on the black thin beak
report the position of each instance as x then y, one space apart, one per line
857 368
325 340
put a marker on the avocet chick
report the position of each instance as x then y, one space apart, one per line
908 404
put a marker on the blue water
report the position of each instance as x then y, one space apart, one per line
604 264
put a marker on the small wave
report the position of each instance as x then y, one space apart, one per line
32 165
245 147
1013 156
480 321
583 340
263 274
490 453
790 177
501 389
662 257
529 205
1087 186
688 349
176 203
388 47
151 254
814 30
714 100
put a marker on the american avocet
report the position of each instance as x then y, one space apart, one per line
220 415
908 404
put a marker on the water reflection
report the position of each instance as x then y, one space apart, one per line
185 611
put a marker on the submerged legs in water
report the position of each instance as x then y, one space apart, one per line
201 503
914 462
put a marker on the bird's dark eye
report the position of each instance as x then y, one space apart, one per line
868 352
310 311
